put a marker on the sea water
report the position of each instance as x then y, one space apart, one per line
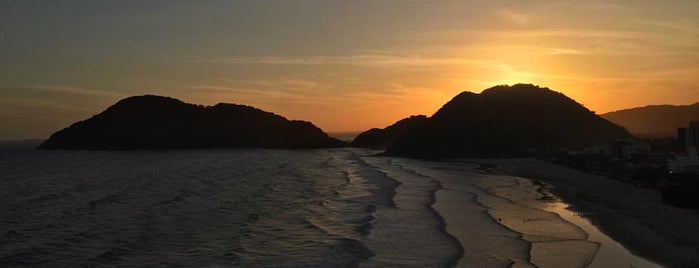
211 208
272 208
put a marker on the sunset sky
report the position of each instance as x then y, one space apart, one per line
343 65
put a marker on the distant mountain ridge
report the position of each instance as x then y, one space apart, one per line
655 121
505 121
156 122
381 138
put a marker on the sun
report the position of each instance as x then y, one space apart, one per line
511 77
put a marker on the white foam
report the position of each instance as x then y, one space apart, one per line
499 220
409 234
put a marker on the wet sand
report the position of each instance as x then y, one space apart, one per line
501 221
522 229
530 213
633 216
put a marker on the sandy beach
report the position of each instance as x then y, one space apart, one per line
530 213
501 220
633 216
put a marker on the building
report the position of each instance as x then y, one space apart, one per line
627 148
688 136
688 162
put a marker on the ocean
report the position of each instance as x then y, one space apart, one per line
282 208
213 208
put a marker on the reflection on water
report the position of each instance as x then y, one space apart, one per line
611 253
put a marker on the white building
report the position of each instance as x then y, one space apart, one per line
689 139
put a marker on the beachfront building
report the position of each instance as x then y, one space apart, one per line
618 149
627 148
689 136
689 141
681 188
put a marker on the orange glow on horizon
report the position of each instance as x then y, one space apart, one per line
361 65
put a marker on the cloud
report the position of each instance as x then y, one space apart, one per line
44 103
513 16
33 106
69 90
565 51
359 60
251 91
673 26
317 92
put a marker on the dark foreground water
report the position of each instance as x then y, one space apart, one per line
211 208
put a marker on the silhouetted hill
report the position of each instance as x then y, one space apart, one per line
506 121
656 121
155 122
381 138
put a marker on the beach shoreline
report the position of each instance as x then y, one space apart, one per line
500 221
635 217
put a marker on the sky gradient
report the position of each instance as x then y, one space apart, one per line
343 65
